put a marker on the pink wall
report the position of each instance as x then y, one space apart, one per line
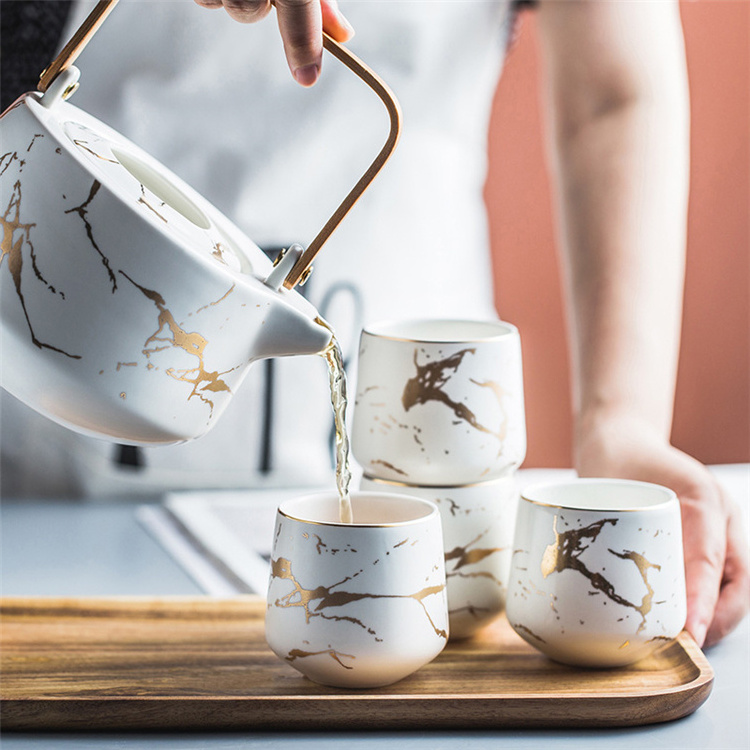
712 412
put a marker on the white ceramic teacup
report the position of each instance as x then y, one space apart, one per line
478 523
597 575
439 402
357 605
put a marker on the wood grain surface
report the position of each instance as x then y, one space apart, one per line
202 663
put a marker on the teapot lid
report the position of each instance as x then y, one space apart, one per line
155 194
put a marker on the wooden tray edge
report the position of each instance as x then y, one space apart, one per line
387 712
390 713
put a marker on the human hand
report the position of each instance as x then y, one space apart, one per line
301 23
716 552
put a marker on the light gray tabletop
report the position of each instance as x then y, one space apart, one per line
64 548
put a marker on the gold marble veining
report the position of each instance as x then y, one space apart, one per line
565 553
453 507
499 393
533 589
466 556
170 335
643 566
7 159
428 385
315 601
33 141
83 145
568 546
528 631
387 465
297 653
217 301
429 381
320 545
142 200
82 211
16 234
218 252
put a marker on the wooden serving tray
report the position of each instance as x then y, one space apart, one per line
202 663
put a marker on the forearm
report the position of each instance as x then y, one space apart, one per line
620 158
622 203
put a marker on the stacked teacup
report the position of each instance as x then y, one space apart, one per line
439 414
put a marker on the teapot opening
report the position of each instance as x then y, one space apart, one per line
161 187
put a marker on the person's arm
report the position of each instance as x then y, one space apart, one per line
300 23
617 103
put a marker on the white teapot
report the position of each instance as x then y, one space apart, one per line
130 307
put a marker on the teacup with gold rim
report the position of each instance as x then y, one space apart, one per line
357 605
439 402
597 575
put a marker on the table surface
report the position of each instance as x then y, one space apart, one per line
65 548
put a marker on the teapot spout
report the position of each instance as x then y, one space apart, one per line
293 328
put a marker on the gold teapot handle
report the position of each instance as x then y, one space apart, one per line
300 270
76 44
304 264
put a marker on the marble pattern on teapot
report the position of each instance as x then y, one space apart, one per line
18 253
25 265
99 151
170 335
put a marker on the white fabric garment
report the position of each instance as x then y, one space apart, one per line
214 100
